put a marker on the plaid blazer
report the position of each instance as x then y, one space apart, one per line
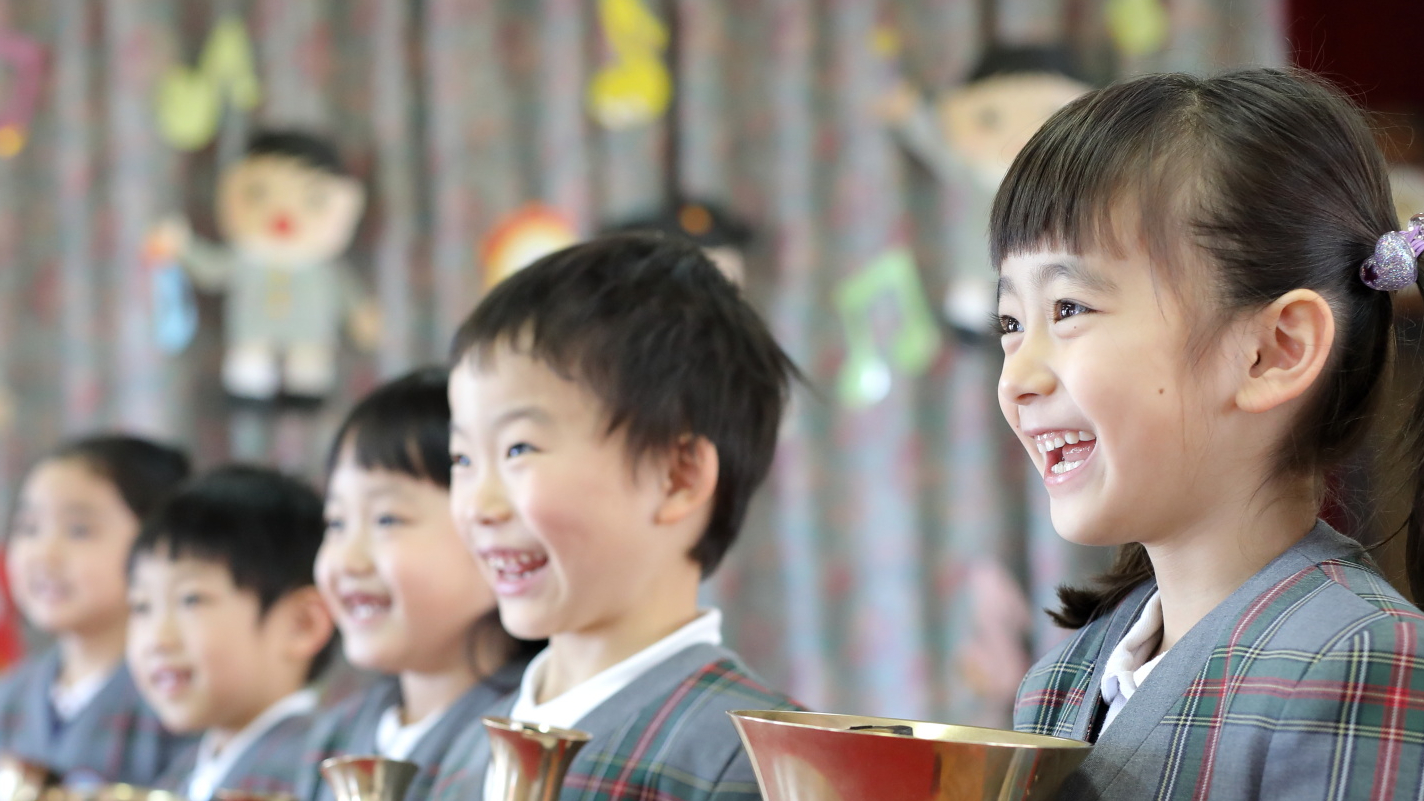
270 764
350 729
116 738
666 736
1306 683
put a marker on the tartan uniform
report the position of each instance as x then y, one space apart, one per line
271 764
1307 682
666 736
115 738
350 729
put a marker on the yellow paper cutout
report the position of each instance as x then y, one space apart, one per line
190 101
637 87
12 140
1138 27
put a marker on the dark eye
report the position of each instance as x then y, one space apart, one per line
335 525
518 449
1008 325
191 599
138 608
389 520
256 191
316 198
80 531
459 460
1064 309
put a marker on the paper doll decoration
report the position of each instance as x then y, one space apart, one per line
721 234
968 138
636 88
287 211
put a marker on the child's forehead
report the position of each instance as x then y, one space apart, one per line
163 562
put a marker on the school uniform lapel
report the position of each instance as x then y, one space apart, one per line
467 711
101 742
270 764
1138 728
38 728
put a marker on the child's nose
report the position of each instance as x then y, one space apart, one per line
481 502
353 554
1026 373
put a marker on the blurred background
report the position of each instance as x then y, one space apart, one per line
898 559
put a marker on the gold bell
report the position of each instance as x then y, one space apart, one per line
528 761
806 756
368 778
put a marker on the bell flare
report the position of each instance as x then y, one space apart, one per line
809 756
528 761
368 778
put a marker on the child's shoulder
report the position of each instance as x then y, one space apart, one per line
23 677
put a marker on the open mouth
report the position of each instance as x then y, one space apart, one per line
365 606
515 566
48 591
1065 451
170 681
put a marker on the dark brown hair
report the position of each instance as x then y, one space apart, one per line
1275 176
669 345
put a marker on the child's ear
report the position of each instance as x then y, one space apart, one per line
308 626
689 479
1287 346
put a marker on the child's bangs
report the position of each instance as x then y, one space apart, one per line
1107 168
402 427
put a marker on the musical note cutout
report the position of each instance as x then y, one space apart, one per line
637 87
25 60
190 101
865 376
1138 27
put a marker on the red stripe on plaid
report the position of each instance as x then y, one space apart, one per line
1396 708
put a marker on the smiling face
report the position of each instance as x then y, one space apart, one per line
403 589
565 524
1134 437
200 650
67 549
286 212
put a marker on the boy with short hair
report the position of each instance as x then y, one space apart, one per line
226 628
614 406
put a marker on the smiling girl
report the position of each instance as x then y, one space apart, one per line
1196 295
406 594
75 708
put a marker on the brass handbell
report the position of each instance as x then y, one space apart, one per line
528 761
805 756
23 780
368 778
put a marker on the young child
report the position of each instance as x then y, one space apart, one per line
226 628
614 407
1195 331
408 598
75 707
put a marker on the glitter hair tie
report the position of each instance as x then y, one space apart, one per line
1395 264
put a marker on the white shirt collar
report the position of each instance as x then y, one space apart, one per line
395 740
568 709
213 766
1128 664
69 701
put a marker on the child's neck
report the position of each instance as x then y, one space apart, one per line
84 656
1197 567
424 693
577 656
220 736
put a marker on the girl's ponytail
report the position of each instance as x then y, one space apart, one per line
1414 472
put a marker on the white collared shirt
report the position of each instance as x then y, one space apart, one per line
565 711
395 740
69 701
213 765
1128 664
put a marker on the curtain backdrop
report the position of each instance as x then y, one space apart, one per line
897 560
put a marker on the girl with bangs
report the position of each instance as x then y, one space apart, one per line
1198 280
407 596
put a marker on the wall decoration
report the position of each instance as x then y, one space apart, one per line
190 101
865 375
636 88
25 60
522 238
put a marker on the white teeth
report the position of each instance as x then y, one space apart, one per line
1071 438
1041 447
1058 442
1086 436
1064 467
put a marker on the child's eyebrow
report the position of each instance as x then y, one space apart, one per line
1073 272
533 413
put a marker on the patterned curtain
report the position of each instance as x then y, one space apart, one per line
897 560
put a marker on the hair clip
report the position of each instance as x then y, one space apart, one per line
1395 264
